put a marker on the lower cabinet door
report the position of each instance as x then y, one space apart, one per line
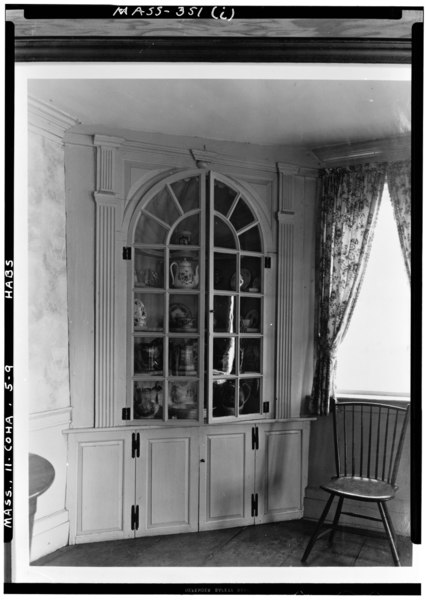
226 477
281 470
101 486
167 481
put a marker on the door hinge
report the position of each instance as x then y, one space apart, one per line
267 262
125 413
254 438
134 517
254 506
127 253
136 445
266 407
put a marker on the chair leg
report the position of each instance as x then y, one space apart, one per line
336 520
389 531
318 528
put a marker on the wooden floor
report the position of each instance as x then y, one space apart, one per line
277 544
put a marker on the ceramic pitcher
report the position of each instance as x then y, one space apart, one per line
184 273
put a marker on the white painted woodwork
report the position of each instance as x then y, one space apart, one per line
51 520
193 477
105 307
284 316
226 477
105 162
48 121
166 480
101 485
279 472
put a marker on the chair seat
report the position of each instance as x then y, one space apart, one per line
361 488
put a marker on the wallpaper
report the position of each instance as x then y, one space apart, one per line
47 284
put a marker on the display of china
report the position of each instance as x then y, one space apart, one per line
147 401
148 356
184 272
184 238
183 393
139 314
184 363
147 277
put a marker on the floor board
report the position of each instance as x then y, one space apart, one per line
273 544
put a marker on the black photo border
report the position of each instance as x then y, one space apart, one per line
228 49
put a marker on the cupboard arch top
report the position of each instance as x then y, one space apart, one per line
170 202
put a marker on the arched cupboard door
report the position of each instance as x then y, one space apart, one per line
201 304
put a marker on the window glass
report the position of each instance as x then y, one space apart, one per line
375 353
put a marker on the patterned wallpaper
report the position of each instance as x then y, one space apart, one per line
48 320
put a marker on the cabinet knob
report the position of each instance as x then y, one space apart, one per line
202 460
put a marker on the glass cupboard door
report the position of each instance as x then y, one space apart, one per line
236 307
167 332
197 339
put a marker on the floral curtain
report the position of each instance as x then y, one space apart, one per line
399 183
349 207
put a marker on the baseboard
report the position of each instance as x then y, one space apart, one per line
49 534
315 499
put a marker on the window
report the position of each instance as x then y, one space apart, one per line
374 357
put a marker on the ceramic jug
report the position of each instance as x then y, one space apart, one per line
183 273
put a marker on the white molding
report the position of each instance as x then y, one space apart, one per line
391 149
284 319
204 159
107 140
50 418
152 148
285 216
106 147
106 223
291 169
49 534
45 119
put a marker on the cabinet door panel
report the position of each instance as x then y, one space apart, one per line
226 480
279 473
102 486
167 482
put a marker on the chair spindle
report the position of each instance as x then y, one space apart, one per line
385 444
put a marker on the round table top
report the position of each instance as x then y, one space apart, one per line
41 474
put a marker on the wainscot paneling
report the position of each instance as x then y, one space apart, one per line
51 522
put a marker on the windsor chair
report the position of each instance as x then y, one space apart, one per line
368 440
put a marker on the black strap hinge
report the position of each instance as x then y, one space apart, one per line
254 505
127 253
136 445
134 517
254 438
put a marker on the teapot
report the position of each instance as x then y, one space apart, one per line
183 273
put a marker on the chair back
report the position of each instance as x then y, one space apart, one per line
369 439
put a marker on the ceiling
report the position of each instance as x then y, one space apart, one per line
309 113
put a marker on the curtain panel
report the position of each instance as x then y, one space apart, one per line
349 207
399 184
